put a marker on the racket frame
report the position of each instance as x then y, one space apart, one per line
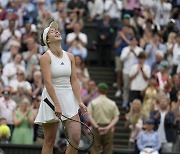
53 108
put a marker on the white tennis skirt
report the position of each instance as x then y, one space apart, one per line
68 102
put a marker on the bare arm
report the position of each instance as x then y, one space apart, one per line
75 84
17 121
74 80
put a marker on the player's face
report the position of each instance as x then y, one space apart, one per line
54 35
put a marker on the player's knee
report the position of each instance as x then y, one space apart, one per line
49 141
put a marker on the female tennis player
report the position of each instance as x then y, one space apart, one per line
61 88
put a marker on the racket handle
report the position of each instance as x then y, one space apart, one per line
49 103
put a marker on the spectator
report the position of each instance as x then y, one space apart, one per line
121 41
103 115
7 107
146 38
90 94
71 20
149 141
10 69
164 123
105 36
37 85
9 34
20 94
134 121
139 73
162 10
95 9
81 70
129 56
76 6
114 9
163 75
176 111
170 45
21 79
150 94
152 48
77 42
8 56
176 55
32 56
38 136
23 121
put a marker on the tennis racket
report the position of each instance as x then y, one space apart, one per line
82 140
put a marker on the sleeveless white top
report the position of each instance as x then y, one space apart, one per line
60 74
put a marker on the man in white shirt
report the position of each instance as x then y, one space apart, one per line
77 42
113 8
96 8
164 123
139 75
176 55
10 34
128 57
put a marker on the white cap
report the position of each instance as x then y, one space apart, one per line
46 30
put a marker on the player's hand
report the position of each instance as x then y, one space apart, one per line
58 111
83 108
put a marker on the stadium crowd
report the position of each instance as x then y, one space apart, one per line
145 38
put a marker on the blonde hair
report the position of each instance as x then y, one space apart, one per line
171 36
25 100
134 117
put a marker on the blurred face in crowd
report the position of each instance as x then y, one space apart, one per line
20 75
14 49
163 102
24 104
149 127
6 92
20 90
176 80
61 7
106 17
133 42
37 76
153 81
141 61
3 122
30 43
156 38
11 24
77 28
17 58
92 85
136 105
78 60
125 29
28 27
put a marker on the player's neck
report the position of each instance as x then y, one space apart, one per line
56 50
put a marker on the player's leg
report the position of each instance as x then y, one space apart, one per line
74 134
49 130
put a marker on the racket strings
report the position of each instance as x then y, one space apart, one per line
82 139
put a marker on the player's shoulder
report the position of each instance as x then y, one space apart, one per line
70 55
45 57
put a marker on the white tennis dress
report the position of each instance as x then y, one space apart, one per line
60 73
